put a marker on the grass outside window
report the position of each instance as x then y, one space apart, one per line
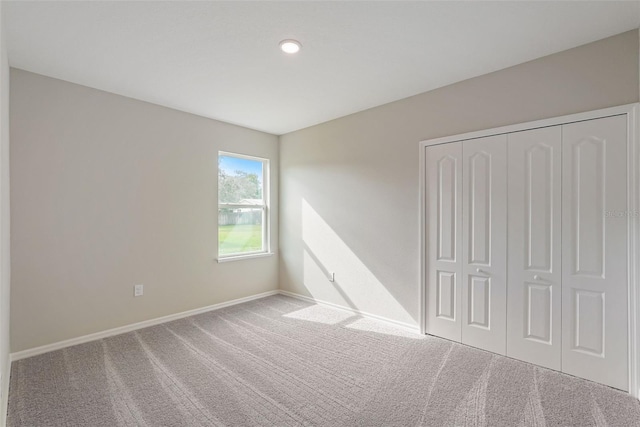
235 239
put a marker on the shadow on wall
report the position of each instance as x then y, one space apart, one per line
355 285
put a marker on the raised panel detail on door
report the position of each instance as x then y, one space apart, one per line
594 245
538 313
479 205
588 322
479 301
539 203
534 239
446 194
484 207
588 181
446 297
443 174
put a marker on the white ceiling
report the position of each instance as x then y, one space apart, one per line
221 59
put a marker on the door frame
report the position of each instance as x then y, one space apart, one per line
633 217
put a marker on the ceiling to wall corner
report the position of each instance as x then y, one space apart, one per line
221 59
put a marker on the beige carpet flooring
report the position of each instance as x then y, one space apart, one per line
279 361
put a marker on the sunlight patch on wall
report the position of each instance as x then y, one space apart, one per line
355 285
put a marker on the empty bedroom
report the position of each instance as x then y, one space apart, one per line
319 213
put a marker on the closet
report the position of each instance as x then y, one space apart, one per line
527 234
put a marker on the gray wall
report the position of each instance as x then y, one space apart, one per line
5 255
108 192
349 188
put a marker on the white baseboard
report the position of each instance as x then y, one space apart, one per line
152 322
134 326
406 326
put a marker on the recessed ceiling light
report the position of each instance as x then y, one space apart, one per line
290 46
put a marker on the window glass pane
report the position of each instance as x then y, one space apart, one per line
242 207
239 230
239 180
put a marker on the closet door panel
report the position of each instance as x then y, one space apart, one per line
484 195
443 175
534 240
594 244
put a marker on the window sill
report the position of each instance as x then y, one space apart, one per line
241 257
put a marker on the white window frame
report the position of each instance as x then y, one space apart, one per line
266 235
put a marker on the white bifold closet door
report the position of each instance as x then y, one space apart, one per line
594 251
443 169
484 243
556 198
466 194
534 240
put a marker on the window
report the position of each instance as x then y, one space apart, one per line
243 214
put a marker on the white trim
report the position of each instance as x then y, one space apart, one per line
242 206
406 326
159 320
563 120
247 256
132 327
422 230
242 156
265 206
633 224
6 375
633 203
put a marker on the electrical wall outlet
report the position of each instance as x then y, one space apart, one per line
138 290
